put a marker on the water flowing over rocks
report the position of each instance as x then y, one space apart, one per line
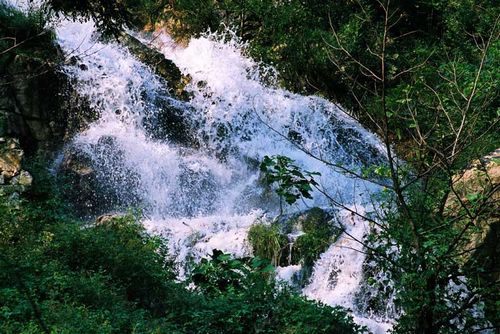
302 237
162 66
192 166
92 192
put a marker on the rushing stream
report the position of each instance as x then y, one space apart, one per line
205 193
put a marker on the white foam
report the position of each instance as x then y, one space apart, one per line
208 197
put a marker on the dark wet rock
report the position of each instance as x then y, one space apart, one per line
96 180
38 103
162 66
30 101
168 121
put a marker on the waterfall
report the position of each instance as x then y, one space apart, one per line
207 195
232 91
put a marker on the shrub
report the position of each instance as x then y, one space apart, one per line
58 274
268 242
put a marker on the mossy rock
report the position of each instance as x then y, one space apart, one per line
298 239
308 247
319 231
314 220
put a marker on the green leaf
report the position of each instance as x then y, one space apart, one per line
473 197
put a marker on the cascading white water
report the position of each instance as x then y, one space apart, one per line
208 197
260 119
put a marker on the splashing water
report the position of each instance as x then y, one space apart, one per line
208 196
261 119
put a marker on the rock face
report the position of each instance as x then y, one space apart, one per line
38 104
480 183
30 99
10 157
478 189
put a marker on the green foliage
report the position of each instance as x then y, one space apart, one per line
110 17
60 275
308 247
292 183
23 35
221 274
232 283
444 267
268 242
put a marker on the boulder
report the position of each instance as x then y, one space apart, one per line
24 179
108 218
76 162
11 156
13 179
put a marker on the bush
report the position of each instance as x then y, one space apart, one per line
58 274
231 283
269 242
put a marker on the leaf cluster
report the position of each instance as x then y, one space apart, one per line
292 183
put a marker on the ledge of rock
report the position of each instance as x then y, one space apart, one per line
108 218
162 66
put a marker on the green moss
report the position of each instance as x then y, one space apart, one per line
314 220
308 247
272 242
319 233
268 242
